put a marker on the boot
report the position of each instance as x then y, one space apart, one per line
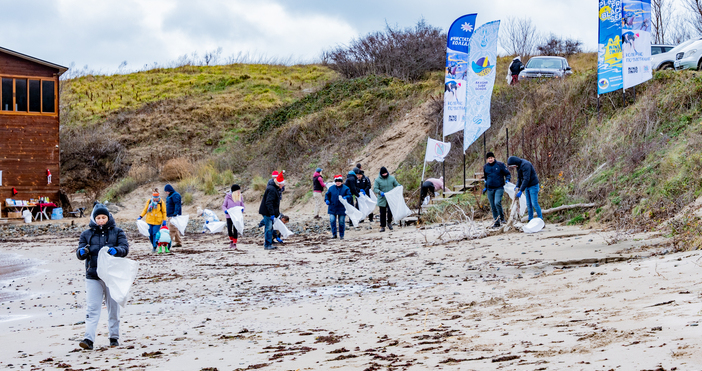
233 244
497 224
167 248
160 249
86 344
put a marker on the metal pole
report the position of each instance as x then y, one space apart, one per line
464 172
523 150
484 148
507 142
443 167
623 97
634 93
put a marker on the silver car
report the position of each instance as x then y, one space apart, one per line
545 68
689 57
662 58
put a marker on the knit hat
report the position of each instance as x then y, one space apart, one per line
356 170
319 170
100 209
155 195
338 177
235 187
164 227
274 174
280 179
358 165
489 154
384 170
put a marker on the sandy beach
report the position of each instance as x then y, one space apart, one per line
560 299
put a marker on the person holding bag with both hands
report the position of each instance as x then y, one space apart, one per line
336 209
270 209
154 213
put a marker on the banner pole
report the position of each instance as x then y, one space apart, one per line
443 166
464 172
507 129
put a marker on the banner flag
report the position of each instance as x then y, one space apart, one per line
609 53
636 42
457 50
436 151
481 80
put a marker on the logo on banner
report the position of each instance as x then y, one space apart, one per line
604 83
605 13
467 27
482 67
439 149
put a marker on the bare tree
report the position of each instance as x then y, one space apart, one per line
554 45
212 56
694 7
518 36
680 31
661 14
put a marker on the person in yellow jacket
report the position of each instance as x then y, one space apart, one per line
154 214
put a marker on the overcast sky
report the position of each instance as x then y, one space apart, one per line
103 33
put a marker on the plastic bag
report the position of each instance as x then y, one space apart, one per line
216 227
353 213
397 204
374 197
509 188
534 225
180 222
118 275
27 215
143 228
236 213
279 226
366 205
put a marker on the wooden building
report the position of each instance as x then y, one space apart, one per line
29 126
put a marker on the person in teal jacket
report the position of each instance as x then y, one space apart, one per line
384 183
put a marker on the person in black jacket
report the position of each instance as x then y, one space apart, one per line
103 232
270 209
363 186
528 184
173 209
514 69
495 173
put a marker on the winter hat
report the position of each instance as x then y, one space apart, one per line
384 170
338 177
235 187
164 227
280 179
356 170
155 195
100 209
319 170
514 161
358 165
274 174
489 154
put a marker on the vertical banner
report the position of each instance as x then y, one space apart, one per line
481 80
436 151
609 51
457 48
636 42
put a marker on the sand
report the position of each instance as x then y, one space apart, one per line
559 299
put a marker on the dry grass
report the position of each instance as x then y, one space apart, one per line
176 169
143 173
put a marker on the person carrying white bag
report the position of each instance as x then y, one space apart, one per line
103 232
384 183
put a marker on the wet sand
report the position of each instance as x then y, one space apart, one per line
560 299
15 270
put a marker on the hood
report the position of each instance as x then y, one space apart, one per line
316 174
351 174
517 58
271 181
228 195
514 160
110 221
169 188
383 170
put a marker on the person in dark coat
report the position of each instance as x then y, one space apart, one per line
363 185
495 174
384 183
514 69
103 232
351 179
528 184
270 209
173 209
336 209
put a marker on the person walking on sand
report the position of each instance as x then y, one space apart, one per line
164 239
233 198
496 175
281 189
351 179
318 187
336 210
363 186
384 183
430 186
102 232
270 209
528 184
173 209
154 214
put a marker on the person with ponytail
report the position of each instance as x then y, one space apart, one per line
232 199
154 214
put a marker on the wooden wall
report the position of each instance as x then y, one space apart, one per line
29 144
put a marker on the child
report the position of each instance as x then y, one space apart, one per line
164 239
155 213
103 232
209 217
276 234
232 199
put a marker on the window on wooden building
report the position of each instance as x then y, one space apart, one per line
48 96
34 96
7 103
28 95
20 95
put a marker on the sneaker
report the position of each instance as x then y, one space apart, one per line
341 238
177 245
382 229
86 344
154 250
232 245
390 227
334 236
270 248
114 343
497 224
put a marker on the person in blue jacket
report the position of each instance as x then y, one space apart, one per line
528 184
103 232
495 174
173 209
336 209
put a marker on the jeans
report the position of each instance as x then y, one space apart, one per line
495 198
385 214
153 229
268 243
95 292
532 199
342 226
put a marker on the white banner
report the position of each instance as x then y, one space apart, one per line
481 80
436 151
636 42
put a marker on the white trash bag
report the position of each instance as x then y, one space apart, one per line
216 227
366 205
236 213
374 197
180 222
27 215
397 204
535 225
509 188
279 226
118 275
143 228
353 213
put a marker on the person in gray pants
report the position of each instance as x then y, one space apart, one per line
103 232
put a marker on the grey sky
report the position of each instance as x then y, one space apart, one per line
103 33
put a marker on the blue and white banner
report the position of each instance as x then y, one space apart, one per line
481 80
636 42
609 59
457 64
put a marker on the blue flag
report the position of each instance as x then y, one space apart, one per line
457 64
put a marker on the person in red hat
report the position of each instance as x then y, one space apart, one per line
336 209
270 209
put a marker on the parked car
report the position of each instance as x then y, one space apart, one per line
658 49
545 67
666 60
689 57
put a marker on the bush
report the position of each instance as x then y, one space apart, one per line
121 188
406 54
259 184
176 169
187 198
143 173
556 46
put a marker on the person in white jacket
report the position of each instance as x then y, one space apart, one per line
209 217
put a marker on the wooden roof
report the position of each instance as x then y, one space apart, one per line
60 68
